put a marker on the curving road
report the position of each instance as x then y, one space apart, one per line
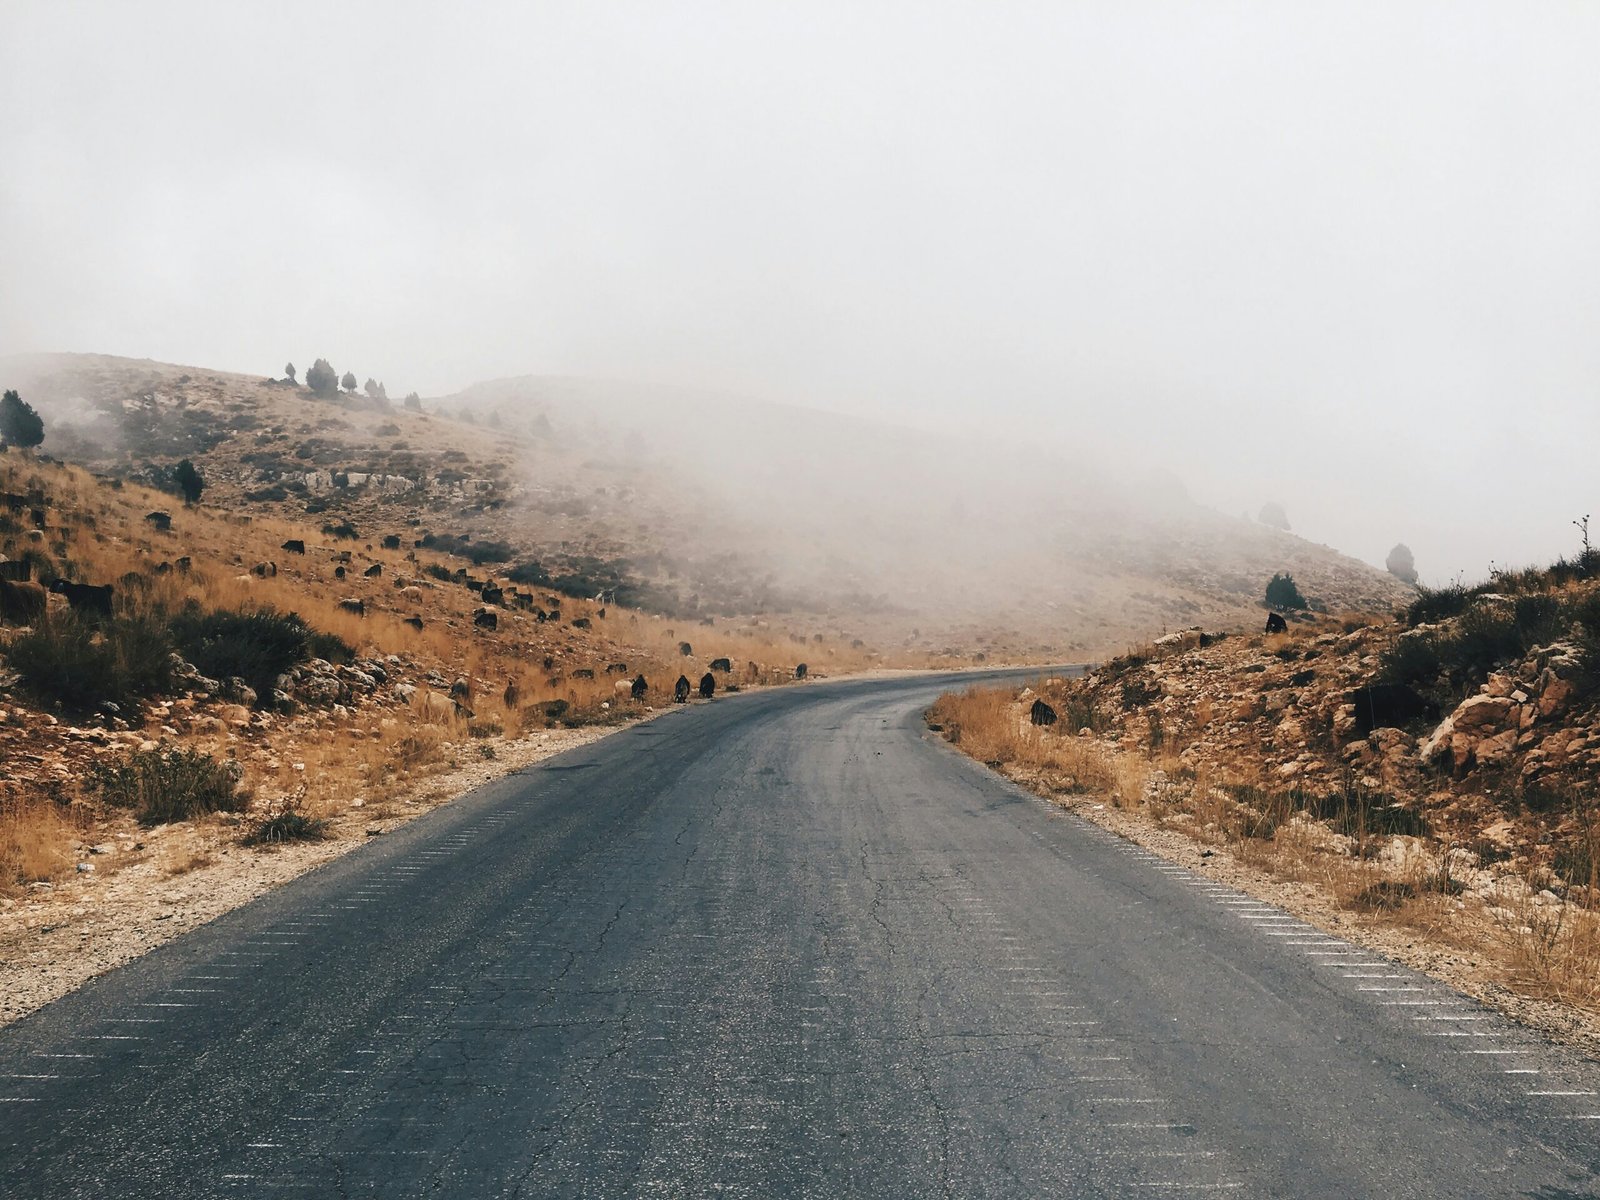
783 944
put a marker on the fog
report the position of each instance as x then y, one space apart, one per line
1341 256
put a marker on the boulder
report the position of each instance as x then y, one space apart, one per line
1483 712
1496 750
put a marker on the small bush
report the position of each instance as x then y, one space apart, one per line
1437 604
169 785
287 823
68 662
1078 712
1411 660
529 573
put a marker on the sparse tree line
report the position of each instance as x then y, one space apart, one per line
322 380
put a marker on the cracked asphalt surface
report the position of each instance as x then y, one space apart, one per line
783 944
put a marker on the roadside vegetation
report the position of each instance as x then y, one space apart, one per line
1431 776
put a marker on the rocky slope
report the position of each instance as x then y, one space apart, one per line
1433 776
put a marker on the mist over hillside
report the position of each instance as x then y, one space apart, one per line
711 505
947 528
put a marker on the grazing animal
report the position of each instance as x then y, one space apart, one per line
639 687
373 571
266 570
680 690
583 673
623 689
338 572
1042 714
392 542
21 603
618 668
721 664
436 709
581 623
359 607
708 685
161 520
800 671
293 546
511 695
85 598
414 622
461 689
493 595
486 619
1276 623
412 593
685 649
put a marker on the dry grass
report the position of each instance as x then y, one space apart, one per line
1537 944
36 843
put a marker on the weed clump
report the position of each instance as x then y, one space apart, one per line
169 785
288 822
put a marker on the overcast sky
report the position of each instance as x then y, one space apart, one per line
1342 255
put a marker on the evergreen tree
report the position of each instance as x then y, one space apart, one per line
1282 592
189 481
322 379
19 425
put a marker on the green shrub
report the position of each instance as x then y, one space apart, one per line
257 645
169 785
329 646
1411 660
80 667
1437 604
1282 592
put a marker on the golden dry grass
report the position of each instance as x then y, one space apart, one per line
36 842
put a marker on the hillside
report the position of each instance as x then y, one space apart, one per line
1435 775
691 505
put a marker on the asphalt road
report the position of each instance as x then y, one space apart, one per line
783 944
